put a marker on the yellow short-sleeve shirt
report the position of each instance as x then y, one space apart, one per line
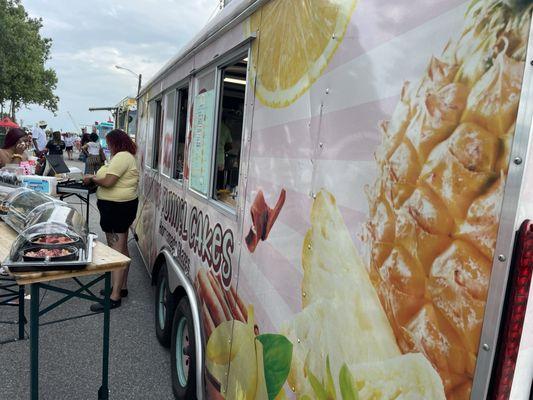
123 165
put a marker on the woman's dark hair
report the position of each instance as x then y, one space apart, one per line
94 137
13 137
56 136
118 141
85 138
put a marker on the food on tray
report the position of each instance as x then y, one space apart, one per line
51 253
337 293
53 239
434 207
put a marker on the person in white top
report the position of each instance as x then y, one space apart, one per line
95 155
69 144
39 137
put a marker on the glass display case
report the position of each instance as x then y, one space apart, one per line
4 193
55 238
58 214
20 203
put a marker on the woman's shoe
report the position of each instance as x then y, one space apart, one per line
98 307
123 292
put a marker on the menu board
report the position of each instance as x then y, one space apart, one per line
202 139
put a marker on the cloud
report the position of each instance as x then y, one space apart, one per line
91 37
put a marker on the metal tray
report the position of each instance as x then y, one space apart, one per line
85 257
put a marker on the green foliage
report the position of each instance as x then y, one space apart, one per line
348 392
277 357
24 78
326 390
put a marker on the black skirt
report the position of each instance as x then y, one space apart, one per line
117 216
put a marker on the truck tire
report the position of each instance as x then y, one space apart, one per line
164 307
182 352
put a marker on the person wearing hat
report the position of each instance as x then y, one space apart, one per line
39 138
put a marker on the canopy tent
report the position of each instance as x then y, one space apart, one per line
7 123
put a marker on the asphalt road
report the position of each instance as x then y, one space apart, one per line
70 355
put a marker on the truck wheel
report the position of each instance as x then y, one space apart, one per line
182 352
164 306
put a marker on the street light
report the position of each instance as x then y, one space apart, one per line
137 75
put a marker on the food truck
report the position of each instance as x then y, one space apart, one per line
126 115
335 199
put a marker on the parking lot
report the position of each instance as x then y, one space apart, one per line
70 356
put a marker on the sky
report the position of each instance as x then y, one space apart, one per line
91 37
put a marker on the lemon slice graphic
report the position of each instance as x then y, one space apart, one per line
296 40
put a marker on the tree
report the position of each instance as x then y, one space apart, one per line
24 78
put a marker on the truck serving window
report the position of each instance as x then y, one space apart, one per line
229 132
157 134
150 128
181 130
203 112
168 132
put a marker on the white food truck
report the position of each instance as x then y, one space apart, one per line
334 201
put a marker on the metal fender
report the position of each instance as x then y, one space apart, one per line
178 279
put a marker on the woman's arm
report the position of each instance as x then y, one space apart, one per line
107 181
3 158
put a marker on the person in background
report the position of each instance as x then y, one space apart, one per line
39 143
117 202
39 138
224 145
95 154
69 144
56 145
14 148
85 138
29 143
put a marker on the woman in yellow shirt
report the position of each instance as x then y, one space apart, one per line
117 202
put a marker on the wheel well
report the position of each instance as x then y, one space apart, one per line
159 264
179 293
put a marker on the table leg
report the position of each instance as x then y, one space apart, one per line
103 392
22 318
34 341
87 216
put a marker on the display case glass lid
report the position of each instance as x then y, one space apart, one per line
21 202
58 214
54 237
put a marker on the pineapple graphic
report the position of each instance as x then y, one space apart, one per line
435 205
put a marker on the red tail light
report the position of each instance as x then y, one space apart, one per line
514 314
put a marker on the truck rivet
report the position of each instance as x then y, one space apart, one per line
517 160
486 347
502 258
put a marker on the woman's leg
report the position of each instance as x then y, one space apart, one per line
126 252
117 242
